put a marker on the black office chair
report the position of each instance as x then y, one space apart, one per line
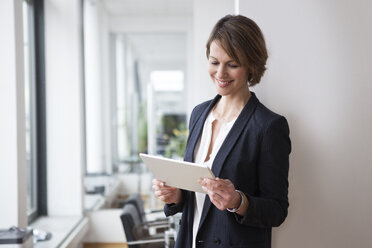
136 233
136 200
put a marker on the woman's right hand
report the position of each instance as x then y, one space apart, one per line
166 193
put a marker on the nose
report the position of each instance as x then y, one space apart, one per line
221 71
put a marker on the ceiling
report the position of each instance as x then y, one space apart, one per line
149 7
154 47
160 47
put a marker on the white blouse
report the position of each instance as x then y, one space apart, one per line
200 153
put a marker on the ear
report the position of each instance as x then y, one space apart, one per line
250 77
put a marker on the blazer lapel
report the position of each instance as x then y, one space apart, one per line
228 144
234 134
197 129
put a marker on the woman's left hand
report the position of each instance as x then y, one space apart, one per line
221 192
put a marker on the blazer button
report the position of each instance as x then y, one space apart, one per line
199 243
217 241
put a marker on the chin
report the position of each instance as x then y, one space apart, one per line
222 91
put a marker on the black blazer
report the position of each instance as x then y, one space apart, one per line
255 157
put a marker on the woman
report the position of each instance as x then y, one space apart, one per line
245 144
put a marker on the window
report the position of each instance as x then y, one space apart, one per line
34 108
150 97
169 118
30 106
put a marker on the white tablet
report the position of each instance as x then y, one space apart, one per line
176 173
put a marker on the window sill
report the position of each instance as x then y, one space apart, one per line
66 231
93 202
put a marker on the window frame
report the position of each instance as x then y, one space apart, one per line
39 109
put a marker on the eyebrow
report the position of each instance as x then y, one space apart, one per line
226 62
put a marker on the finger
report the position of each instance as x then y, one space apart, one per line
157 182
168 197
157 187
225 185
164 195
215 196
222 194
168 192
226 182
158 193
212 184
217 201
162 185
207 182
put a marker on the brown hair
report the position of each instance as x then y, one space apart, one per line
243 41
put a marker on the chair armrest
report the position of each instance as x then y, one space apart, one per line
156 211
157 222
150 211
145 241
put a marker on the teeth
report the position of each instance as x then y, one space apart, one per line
223 82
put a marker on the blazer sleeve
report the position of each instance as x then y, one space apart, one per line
270 207
172 209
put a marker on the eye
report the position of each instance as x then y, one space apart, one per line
233 65
214 62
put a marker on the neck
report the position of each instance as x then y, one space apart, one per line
229 107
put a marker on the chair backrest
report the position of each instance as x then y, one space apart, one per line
134 230
129 219
136 200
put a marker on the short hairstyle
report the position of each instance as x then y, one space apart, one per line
243 41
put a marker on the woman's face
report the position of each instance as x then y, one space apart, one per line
229 78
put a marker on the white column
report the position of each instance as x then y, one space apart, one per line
13 191
97 88
108 99
64 91
93 80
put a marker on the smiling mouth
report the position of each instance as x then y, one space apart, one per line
224 83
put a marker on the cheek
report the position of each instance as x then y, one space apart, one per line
242 75
211 70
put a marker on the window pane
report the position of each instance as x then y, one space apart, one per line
30 110
150 97
170 117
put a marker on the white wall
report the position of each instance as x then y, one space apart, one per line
201 88
13 191
318 77
105 227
